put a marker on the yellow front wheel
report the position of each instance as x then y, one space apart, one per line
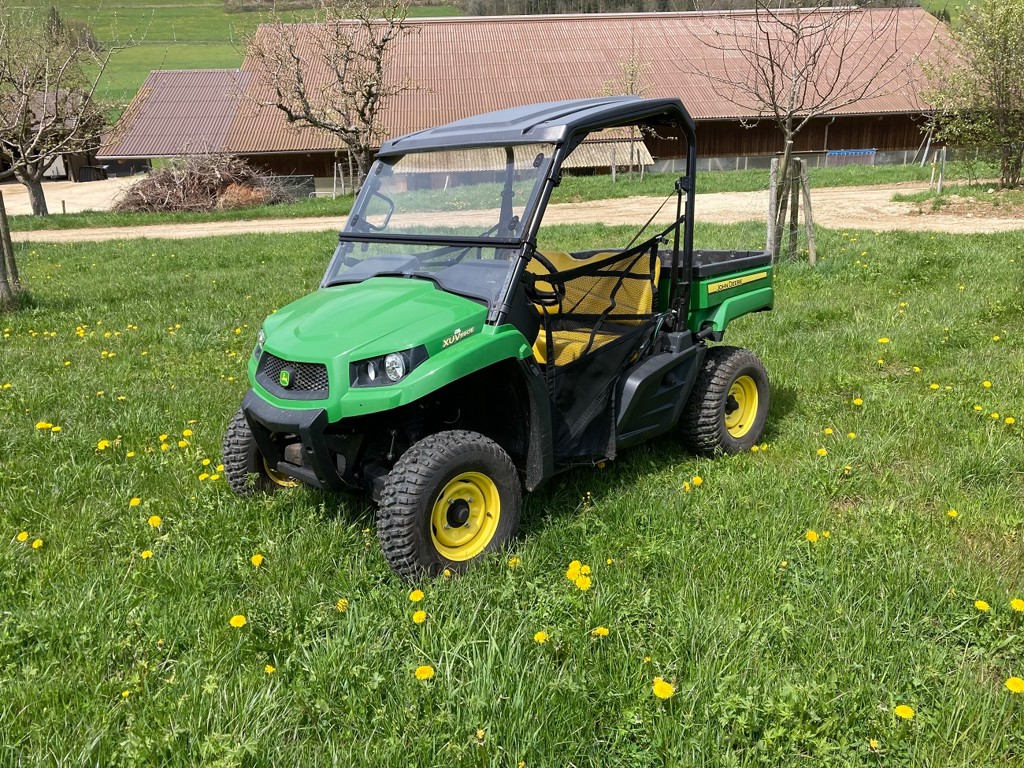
741 406
465 516
449 500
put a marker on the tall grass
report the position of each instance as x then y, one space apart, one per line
780 651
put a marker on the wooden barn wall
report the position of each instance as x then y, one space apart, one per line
727 138
305 164
715 138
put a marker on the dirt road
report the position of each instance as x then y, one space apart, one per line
869 208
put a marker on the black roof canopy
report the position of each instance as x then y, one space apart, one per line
552 122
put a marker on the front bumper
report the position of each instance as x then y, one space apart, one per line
327 459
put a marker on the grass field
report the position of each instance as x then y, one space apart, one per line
897 400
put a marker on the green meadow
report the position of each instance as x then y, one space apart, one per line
850 594
179 34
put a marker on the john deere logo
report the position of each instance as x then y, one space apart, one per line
285 379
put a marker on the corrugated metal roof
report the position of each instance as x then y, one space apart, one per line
458 67
178 112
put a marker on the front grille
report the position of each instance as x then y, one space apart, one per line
308 380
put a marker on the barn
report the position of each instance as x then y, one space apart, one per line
456 67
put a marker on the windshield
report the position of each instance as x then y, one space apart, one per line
455 217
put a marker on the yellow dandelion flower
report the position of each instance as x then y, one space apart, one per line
822 452
573 571
186 433
125 694
1015 685
416 595
269 669
663 689
852 435
609 561
342 605
256 560
977 408
754 448
686 486
183 443
982 606
583 583
953 514
238 621
585 570
424 672
55 429
37 543
130 454
599 632
811 536
447 573
884 340
873 745
135 501
214 478
986 384
165 447
146 554
155 521
204 476
904 712
995 415
697 481
219 467
541 637
825 534
206 462
917 369
163 438
1008 420
102 445
857 401
513 562
933 386
1017 604
43 425
827 430
23 537
419 617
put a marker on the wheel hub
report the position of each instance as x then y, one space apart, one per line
458 512
741 406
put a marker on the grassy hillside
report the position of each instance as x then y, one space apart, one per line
894 437
180 34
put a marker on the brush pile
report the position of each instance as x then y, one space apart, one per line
203 183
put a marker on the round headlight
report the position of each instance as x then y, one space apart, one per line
261 339
371 371
394 366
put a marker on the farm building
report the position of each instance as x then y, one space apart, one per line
457 67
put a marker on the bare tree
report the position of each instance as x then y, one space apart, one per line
792 65
332 74
48 80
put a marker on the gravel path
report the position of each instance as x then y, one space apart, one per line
868 208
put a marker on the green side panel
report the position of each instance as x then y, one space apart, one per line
346 324
721 314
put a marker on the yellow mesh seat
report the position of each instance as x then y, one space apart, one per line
590 297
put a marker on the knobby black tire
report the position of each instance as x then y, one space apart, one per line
702 423
243 462
412 487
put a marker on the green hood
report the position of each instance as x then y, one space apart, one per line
374 317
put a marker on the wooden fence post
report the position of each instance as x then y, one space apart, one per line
805 186
794 204
8 281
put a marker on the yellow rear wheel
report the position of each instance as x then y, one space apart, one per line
741 406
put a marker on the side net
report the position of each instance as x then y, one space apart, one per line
596 318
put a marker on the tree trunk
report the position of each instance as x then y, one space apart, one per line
36 196
6 288
9 271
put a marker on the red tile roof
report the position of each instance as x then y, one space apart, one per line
178 112
462 66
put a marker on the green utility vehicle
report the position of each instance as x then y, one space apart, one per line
450 360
